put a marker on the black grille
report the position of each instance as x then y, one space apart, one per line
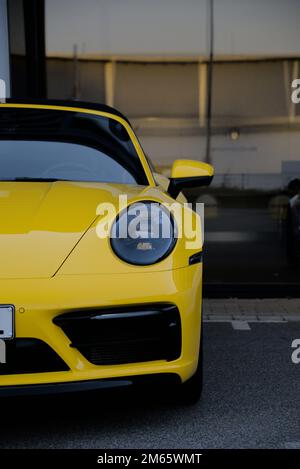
124 335
30 356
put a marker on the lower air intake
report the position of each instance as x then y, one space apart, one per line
30 356
124 335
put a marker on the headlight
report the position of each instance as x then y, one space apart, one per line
143 234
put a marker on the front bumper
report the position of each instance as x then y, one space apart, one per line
38 301
160 379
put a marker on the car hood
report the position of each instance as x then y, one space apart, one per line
41 223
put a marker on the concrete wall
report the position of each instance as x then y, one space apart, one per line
252 153
257 27
4 53
173 27
247 96
127 26
255 161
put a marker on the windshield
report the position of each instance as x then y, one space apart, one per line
63 145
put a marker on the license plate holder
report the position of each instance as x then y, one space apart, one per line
7 313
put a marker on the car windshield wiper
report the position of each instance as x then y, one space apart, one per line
35 179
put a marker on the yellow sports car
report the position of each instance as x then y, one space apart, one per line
100 274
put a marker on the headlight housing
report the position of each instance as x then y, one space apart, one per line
144 233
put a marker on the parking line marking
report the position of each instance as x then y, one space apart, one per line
240 325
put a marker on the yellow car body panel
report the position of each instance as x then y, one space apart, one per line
38 301
191 168
53 262
41 224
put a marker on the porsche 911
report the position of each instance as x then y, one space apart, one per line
81 306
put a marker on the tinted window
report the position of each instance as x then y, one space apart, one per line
49 144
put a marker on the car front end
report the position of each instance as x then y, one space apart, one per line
80 309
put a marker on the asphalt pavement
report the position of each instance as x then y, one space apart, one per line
251 399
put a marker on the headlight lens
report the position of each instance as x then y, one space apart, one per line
143 234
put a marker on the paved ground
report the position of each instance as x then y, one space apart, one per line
277 309
251 399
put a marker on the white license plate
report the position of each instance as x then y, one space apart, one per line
6 322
